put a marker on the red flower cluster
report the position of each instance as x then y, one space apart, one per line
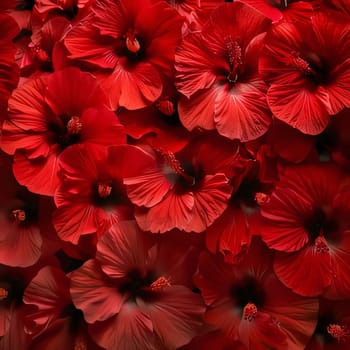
175 175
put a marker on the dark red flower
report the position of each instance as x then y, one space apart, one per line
52 320
47 115
136 41
249 303
231 233
307 67
217 74
306 220
187 190
131 297
91 196
9 72
39 54
333 327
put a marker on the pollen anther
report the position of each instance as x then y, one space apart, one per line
131 41
3 294
104 190
160 283
74 125
321 245
19 214
250 311
338 332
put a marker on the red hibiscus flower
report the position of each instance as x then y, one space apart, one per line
307 67
39 55
51 318
251 305
47 115
333 327
131 297
68 8
306 220
91 196
231 233
9 72
289 10
217 74
136 41
187 190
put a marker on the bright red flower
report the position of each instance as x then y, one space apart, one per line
131 295
289 10
187 190
67 8
39 54
91 196
217 74
249 303
231 233
136 41
47 115
306 220
52 321
307 66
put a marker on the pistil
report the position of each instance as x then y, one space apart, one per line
104 190
19 215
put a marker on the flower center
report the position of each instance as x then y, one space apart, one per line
19 214
3 294
131 41
301 64
250 311
341 333
234 53
104 190
74 125
40 54
247 291
174 164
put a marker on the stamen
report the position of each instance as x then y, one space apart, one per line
104 190
338 332
321 245
159 284
19 214
234 53
3 294
262 198
132 44
170 159
301 64
74 125
250 311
